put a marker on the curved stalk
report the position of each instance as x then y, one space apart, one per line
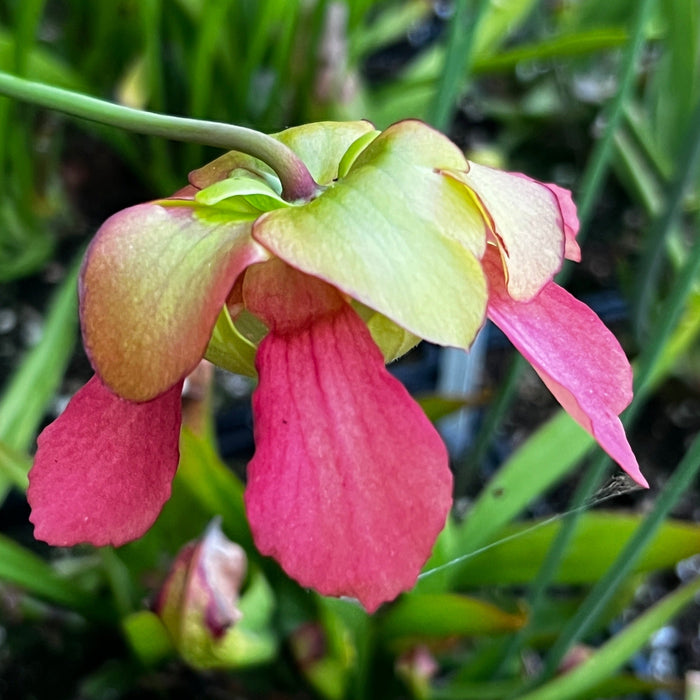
296 180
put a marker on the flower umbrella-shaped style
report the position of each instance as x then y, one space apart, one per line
403 239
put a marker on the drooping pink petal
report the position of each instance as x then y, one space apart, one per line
576 356
349 485
527 222
152 285
103 468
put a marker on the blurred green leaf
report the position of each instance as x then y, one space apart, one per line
33 385
24 401
674 86
606 660
389 26
25 240
42 65
21 567
14 466
147 637
599 539
445 614
617 687
558 47
326 650
438 406
498 22
486 690
548 455
214 485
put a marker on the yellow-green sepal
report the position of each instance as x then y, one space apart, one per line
230 349
258 192
392 340
354 151
395 234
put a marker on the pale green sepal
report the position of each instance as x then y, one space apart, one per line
322 145
228 211
250 327
392 340
355 149
229 349
396 235
251 189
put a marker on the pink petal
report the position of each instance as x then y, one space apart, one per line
576 356
350 484
152 285
103 468
569 218
186 192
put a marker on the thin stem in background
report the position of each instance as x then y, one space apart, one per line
650 262
599 160
296 180
150 18
26 20
455 74
457 61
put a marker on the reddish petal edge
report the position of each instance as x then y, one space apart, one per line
103 469
572 251
153 282
576 356
350 484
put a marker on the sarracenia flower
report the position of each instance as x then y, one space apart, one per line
404 239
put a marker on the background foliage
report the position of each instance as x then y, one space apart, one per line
531 576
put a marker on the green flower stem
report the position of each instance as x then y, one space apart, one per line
297 182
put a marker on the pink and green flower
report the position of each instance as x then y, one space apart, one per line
402 240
